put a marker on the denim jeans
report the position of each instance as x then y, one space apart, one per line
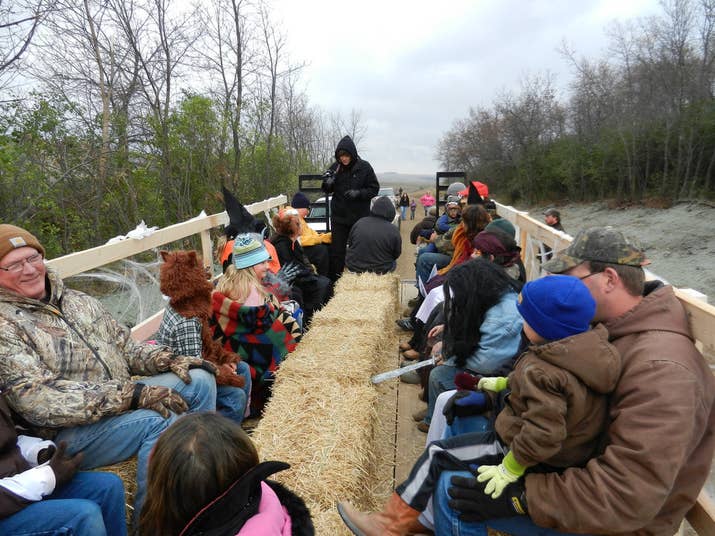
231 401
403 212
441 379
447 522
425 261
91 504
116 438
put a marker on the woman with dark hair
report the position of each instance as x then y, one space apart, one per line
315 289
482 329
205 478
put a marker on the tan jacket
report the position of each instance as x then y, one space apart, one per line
66 362
660 439
558 404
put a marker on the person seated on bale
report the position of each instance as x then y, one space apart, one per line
482 330
314 244
185 329
421 232
41 491
247 318
67 366
551 409
315 288
491 244
457 246
374 244
242 221
445 224
205 478
656 451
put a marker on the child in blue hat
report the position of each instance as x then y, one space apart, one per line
554 407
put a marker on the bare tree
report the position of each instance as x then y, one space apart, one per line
18 23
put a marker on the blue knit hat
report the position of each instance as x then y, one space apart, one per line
248 250
557 306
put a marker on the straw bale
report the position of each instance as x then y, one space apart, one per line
325 418
127 471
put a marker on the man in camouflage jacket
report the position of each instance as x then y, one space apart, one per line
66 366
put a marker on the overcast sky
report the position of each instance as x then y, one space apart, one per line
413 67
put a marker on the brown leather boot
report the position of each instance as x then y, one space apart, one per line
397 518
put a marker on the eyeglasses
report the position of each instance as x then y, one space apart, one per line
19 266
589 275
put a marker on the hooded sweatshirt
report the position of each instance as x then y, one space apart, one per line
658 446
358 175
374 244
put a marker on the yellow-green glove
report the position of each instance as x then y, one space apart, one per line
500 476
495 383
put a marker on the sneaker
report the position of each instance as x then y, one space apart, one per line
405 324
422 426
411 377
420 415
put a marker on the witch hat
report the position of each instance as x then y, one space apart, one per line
473 197
239 219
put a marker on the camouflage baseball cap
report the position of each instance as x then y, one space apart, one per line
600 244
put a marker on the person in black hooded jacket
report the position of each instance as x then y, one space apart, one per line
352 183
374 244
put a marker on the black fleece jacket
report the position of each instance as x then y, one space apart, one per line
358 175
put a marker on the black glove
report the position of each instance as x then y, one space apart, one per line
289 272
468 498
63 466
465 404
352 194
328 181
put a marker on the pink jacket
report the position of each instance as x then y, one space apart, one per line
272 518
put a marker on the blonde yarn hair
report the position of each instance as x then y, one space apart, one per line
238 283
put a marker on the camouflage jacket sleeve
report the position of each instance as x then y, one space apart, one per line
43 399
143 359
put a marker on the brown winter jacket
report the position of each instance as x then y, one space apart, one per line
67 362
660 439
557 407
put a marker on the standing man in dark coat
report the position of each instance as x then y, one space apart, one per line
352 183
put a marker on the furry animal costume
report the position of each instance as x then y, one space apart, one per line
183 279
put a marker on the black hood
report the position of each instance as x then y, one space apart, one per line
383 208
347 145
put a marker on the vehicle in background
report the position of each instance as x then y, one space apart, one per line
389 191
316 218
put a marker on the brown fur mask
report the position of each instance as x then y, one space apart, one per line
183 279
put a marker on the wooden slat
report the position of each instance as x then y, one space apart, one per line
86 260
146 329
702 516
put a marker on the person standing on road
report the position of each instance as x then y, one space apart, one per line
352 183
404 203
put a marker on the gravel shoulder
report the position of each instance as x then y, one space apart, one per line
680 241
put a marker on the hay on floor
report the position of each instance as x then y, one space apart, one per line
322 416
